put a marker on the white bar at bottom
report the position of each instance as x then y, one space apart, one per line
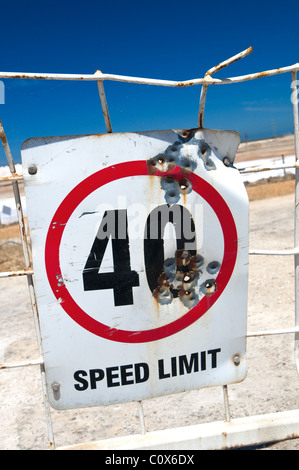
240 432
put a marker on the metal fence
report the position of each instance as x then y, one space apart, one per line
230 433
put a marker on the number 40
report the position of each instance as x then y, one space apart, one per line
114 226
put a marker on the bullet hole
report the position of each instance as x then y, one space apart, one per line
173 188
172 197
226 161
210 164
206 152
181 277
163 295
210 287
151 165
185 153
169 179
183 257
189 298
196 262
213 267
183 184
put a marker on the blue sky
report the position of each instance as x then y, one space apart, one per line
155 39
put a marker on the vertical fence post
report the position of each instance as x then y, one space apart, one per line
296 215
104 106
26 252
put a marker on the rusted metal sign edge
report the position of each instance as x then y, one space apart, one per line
237 433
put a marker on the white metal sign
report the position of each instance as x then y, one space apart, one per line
140 255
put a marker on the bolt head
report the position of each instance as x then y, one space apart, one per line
32 170
55 387
236 359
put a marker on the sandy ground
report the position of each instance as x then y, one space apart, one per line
271 384
267 148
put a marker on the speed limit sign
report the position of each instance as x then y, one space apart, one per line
140 257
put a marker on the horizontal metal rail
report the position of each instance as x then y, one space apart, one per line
207 80
293 251
10 179
239 432
281 331
13 365
256 169
21 272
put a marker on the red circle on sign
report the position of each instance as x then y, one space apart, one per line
78 194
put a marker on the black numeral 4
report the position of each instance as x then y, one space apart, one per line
114 226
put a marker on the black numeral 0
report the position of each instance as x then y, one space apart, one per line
154 257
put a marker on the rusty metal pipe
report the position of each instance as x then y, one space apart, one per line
281 331
296 228
294 251
104 106
209 81
9 179
22 272
229 61
98 76
257 169
29 273
12 365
